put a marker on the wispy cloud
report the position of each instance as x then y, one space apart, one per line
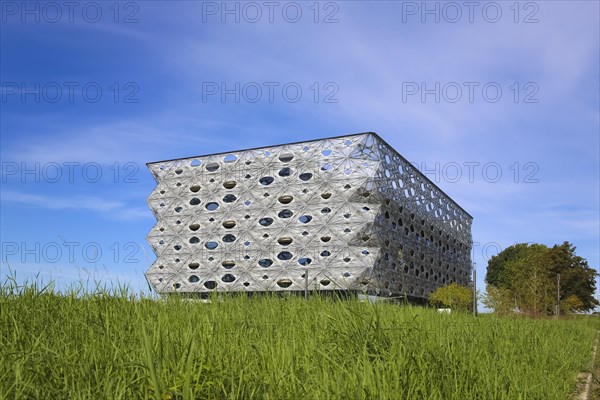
104 206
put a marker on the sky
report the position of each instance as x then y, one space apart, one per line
496 102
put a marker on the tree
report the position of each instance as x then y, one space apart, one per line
529 272
452 296
498 300
571 304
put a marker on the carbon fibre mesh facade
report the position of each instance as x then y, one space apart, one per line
349 210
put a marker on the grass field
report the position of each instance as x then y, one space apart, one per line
118 346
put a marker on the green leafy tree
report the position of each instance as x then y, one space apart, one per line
452 296
571 304
528 273
498 300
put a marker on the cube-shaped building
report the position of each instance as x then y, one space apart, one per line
344 213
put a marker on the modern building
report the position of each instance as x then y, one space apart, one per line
344 213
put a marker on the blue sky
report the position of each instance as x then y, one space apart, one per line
92 93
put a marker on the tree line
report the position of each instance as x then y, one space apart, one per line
531 279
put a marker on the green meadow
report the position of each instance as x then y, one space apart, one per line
111 344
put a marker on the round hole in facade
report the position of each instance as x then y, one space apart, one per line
285 172
194 201
161 266
266 180
305 176
229 158
326 195
325 238
229 184
229 198
346 274
212 167
177 247
365 252
193 265
326 210
347 215
178 171
193 279
304 261
347 259
212 206
176 285
305 218
284 283
285 199
246 284
285 214
285 241
325 253
286 157
265 221
194 188
229 224
194 240
285 255
265 262
305 233
325 282
229 238
326 167
228 278
326 152
210 284
162 192
211 245
228 264
195 163
178 209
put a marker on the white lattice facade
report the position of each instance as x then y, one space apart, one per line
348 210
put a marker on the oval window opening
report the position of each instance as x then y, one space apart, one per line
285 241
286 157
305 218
195 188
266 180
193 265
285 255
210 284
229 198
228 264
228 278
265 221
325 253
305 176
212 206
229 224
194 227
229 184
194 279
286 199
304 261
195 163
212 167
285 214
228 238
194 240
284 283
326 195
211 245
230 158
265 262
195 201
325 282
285 172
325 239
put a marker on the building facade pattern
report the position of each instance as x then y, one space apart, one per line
349 211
